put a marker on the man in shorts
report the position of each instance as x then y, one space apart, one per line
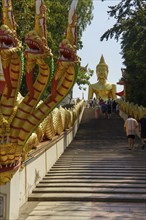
143 130
130 127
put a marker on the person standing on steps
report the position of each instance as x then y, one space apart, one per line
142 128
114 103
104 109
109 108
130 127
94 102
97 110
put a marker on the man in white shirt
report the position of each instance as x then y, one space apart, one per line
130 126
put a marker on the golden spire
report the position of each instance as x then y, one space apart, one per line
102 63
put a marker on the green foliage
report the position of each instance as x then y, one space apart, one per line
131 29
84 74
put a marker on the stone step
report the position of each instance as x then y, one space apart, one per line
93 178
89 169
100 185
90 166
88 174
97 162
90 197
97 153
93 168
121 181
91 189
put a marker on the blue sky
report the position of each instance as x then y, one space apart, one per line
93 48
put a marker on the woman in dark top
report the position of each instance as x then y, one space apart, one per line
143 130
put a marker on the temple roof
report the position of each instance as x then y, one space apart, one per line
120 93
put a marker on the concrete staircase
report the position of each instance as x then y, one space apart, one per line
97 167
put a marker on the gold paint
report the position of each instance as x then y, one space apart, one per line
13 120
131 109
102 89
5 177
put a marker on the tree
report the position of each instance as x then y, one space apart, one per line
83 77
131 29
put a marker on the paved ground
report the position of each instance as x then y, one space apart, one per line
96 178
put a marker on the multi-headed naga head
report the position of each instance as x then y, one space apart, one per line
8 37
36 39
67 47
9 44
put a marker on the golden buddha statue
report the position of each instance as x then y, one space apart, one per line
102 89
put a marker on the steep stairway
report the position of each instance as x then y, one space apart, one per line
97 167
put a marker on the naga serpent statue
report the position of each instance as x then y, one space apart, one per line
21 116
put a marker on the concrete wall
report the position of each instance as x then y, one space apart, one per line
16 192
